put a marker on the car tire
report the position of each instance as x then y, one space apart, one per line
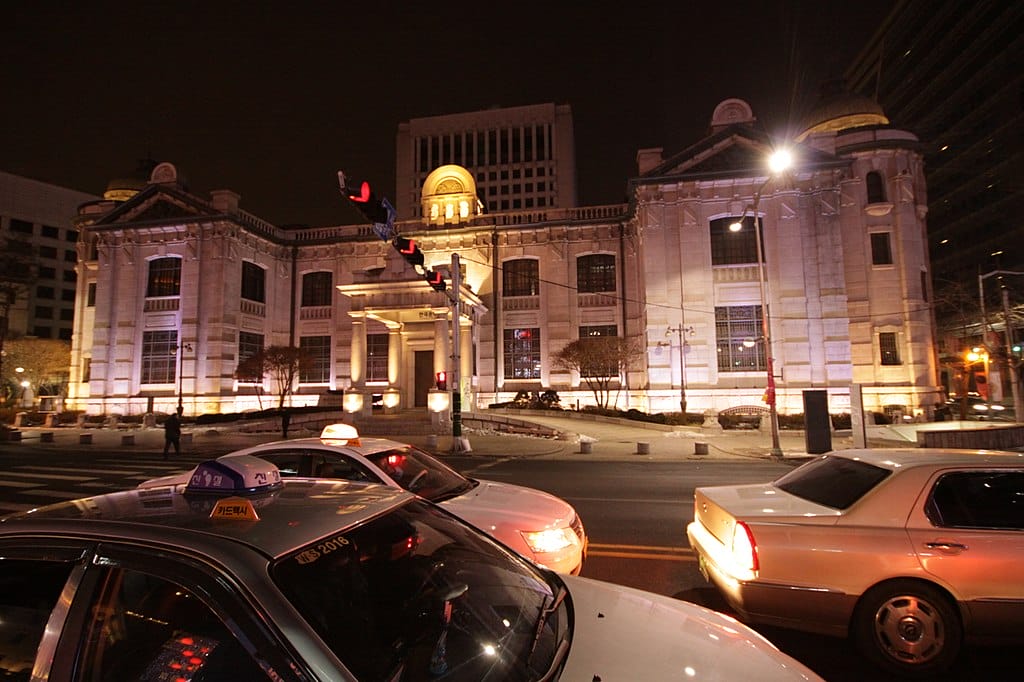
908 627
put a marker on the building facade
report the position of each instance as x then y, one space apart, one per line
175 289
36 218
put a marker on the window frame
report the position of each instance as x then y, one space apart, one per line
520 277
735 248
317 367
881 248
596 273
253 282
521 356
731 331
889 349
377 361
158 360
163 277
317 288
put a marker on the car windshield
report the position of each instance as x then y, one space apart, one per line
835 482
418 472
416 594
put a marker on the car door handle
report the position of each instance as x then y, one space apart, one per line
949 546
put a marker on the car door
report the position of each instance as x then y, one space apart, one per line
969 534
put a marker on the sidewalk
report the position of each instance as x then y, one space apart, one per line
605 440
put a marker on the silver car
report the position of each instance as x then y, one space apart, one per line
910 551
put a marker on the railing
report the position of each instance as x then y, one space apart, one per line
254 308
520 303
596 300
735 273
319 312
155 305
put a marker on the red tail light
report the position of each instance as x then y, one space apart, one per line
744 547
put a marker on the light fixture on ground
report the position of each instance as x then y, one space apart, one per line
682 362
778 162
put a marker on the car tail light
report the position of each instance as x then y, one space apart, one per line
744 547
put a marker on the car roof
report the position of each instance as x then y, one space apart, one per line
289 517
903 458
364 447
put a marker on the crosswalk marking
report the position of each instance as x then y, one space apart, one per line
80 470
17 484
48 477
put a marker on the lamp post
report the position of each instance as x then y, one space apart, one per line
778 162
1011 370
181 363
682 362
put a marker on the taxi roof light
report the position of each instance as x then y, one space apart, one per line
340 434
239 475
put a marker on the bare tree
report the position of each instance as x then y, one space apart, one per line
283 364
599 360
17 272
44 363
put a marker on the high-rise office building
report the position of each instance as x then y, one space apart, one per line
521 158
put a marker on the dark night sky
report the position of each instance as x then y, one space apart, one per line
270 99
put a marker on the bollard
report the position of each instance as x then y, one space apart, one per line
46 437
700 448
643 448
128 439
14 435
432 441
586 447
85 439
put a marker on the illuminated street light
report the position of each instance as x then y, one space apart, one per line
778 162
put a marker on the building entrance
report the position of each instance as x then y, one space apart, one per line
424 377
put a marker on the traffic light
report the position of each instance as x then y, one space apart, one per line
442 380
410 252
436 280
377 211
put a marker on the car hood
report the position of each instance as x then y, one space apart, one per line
763 501
621 633
492 506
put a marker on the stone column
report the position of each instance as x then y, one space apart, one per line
357 360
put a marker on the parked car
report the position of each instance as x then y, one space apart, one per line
538 525
909 551
240 575
980 409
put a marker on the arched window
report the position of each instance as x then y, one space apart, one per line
521 277
316 289
733 247
876 187
595 273
164 277
254 280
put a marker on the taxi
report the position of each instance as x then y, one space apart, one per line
242 575
538 525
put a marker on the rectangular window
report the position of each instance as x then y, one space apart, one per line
159 357
601 366
90 294
249 344
521 277
70 256
253 282
522 353
595 273
317 367
67 295
316 289
70 276
733 247
377 357
50 231
46 292
71 236
44 312
67 314
22 226
738 337
47 273
881 251
41 332
64 334
48 252
164 277
889 351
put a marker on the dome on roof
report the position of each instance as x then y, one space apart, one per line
125 187
838 109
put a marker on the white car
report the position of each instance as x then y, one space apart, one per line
240 575
540 526
910 551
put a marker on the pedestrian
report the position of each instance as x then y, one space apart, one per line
172 433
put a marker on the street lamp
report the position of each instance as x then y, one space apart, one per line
181 363
682 362
779 161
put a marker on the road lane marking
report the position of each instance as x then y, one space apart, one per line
630 500
18 484
657 552
79 470
48 477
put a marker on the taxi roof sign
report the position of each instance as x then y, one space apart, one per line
234 509
241 474
340 433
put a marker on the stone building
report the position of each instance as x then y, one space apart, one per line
175 289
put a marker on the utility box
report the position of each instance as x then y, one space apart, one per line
817 423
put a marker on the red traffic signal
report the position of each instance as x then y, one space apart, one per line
359 192
410 252
442 380
436 280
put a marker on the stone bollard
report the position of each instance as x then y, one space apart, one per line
20 419
700 448
128 439
432 441
643 448
51 421
46 437
85 439
14 435
586 447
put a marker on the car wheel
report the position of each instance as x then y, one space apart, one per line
908 627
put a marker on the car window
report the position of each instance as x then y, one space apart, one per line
339 466
28 592
835 482
978 499
418 472
142 627
289 462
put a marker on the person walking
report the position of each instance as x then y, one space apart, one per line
172 433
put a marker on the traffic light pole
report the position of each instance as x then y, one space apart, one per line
459 444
